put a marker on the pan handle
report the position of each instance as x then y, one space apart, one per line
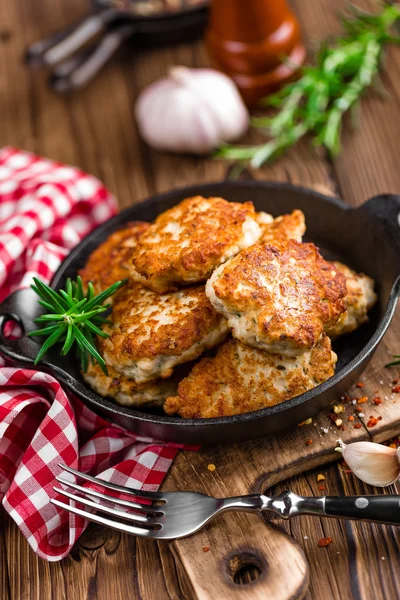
63 43
81 68
21 307
386 208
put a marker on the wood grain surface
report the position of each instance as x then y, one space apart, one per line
95 129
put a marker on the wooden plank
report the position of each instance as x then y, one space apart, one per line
4 579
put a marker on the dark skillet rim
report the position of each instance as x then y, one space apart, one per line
381 329
198 11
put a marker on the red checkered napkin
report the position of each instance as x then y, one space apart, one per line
45 209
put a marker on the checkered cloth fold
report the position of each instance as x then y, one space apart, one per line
46 208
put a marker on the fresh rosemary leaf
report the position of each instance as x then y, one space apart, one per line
84 342
74 319
51 340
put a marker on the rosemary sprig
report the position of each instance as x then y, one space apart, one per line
73 319
394 362
315 103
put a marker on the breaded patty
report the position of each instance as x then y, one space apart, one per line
110 261
360 299
278 297
125 391
285 227
241 379
152 333
185 244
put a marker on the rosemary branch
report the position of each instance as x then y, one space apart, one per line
74 319
316 103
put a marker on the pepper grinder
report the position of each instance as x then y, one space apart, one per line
257 43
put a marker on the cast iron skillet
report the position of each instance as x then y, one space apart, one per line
366 239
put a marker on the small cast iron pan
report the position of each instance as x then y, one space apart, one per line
367 239
113 22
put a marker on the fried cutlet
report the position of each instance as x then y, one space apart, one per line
108 263
285 227
125 391
151 333
241 379
360 298
186 243
279 296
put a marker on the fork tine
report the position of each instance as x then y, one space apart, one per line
152 496
143 507
138 531
105 509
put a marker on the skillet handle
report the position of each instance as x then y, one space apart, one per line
386 208
81 68
21 307
63 43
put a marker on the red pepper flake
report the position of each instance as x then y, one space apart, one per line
350 418
362 400
206 548
357 426
377 401
309 442
321 487
395 381
348 471
358 408
396 389
372 422
379 418
323 542
360 384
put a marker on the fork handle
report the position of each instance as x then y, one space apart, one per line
379 508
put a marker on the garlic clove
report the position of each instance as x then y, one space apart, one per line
374 464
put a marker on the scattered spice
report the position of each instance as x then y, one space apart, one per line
206 548
395 381
357 426
396 389
392 445
321 487
350 418
338 408
358 409
321 477
362 400
360 384
323 542
211 467
309 442
372 422
377 401
306 422
338 422
348 471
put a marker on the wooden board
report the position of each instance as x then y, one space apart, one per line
95 129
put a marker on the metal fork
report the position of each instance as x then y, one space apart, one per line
174 515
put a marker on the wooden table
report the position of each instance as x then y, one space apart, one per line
96 130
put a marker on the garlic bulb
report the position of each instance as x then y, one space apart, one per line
372 463
191 110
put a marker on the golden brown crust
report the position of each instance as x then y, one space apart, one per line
285 227
279 296
152 333
109 262
186 243
125 391
241 379
360 298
